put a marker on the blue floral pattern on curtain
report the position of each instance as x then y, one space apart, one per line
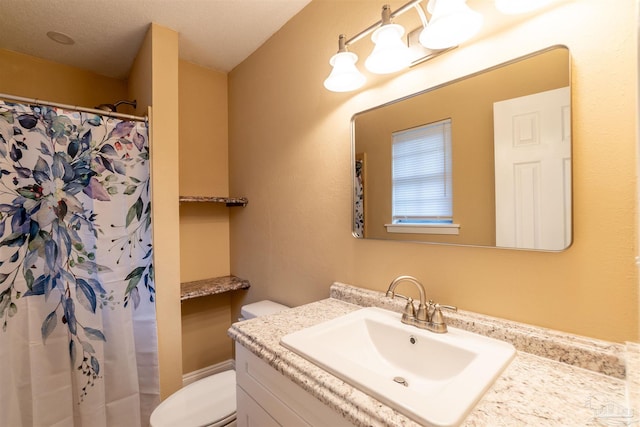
75 218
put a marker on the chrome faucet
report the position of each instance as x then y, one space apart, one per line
430 317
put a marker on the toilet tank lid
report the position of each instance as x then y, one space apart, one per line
261 308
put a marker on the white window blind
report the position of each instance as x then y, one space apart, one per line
421 174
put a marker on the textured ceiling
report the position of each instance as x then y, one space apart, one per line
217 34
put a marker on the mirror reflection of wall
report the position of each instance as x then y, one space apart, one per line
469 105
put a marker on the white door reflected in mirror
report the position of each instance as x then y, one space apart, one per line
532 137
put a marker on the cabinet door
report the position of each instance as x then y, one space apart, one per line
284 401
250 414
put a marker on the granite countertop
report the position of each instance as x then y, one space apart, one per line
229 201
582 389
212 286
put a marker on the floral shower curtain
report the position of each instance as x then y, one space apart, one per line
78 345
358 208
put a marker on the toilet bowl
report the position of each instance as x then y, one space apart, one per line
211 401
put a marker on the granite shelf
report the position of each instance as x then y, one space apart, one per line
229 201
212 286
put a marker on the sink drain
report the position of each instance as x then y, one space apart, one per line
401 380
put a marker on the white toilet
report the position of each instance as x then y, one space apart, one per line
211 401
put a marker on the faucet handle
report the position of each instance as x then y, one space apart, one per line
437 319
433 306
392 295
436 313
447 307
409 313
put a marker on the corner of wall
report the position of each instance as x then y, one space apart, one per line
153 81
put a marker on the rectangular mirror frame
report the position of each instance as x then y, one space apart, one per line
474 205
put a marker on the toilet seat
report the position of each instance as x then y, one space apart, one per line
210 402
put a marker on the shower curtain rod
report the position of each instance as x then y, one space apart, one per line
73 107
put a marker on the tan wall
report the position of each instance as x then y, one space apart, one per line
140 77
166 233
469 105
204 227
205 321
30 77
204 170
293 162
154 79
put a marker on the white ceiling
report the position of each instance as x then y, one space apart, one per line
217 34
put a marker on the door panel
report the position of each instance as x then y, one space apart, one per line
532 142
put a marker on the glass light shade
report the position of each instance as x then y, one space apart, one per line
514 7
390 53
452 22
345 76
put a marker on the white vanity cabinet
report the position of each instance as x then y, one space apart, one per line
267 398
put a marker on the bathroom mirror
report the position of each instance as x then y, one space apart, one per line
503 181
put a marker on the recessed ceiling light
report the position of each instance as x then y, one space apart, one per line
60 37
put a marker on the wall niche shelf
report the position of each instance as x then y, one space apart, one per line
229 201
212 286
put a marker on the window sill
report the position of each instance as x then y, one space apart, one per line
451 229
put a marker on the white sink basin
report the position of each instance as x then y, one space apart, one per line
435 379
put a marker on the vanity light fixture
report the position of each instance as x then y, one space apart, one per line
452 22
391 53
345 75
